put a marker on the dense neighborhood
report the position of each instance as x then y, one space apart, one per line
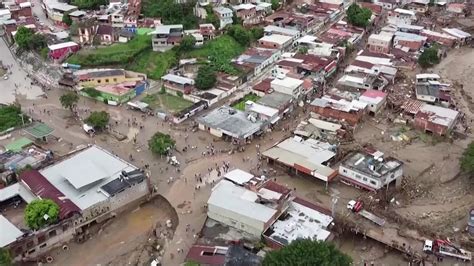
267 132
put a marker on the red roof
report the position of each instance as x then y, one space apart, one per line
362 64
41 187
263 86
412 106
210 257
374 94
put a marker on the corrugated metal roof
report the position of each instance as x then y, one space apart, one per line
9 232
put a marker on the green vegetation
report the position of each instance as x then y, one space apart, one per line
307 252
303 50
118 54
67 19
154 64
40 213
212 17
26 39
171 12
10 116
429 57
160 143
5 257
467 160
69 100
240 105
98 120
206 77
91 92
187 43
358 16
167 102
89 4
275 4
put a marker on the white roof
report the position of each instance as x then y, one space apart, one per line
385 37
350 78
80 177
307 39
77 13
222 10
177 79
16 189
243 6
375 60
62 7
238 176
457 33
301 222
438 34
321 124
427 76
284 31
25 4
440 115
261 109
61 45
276 38
315 151
9 232
400 35
4 12
165 29
405 11
236 199
287 82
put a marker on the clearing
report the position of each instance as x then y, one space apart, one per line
166 102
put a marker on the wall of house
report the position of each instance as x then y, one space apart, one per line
243 223
426 98
132 193
366 181
106 80
350 118
287 90
397 19
427 126
270 45
413 45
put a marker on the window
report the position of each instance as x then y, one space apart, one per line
43 245
344 170
106 80
365 178
99 81
52 233
31 251
373 182
115 80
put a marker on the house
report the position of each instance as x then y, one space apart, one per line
388 4
275 41
389 73
401 16
375 58
105 34
410 40
78 16
374 99
55 10
262 112
304 157
442 38
435 119
462 37
19 9
371 170
90 186
5 15
62 50
231 124
271 29
222 255
351 112
177 85
319 68
248 13
358 80
255 60
264 8
425 78
207 31
297 21
164 37
287 85
199 39
380 43
277 100
125 36
225 16
432 93
418 6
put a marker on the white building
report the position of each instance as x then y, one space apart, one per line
375 100
275 41
401 16
262 112
287 85
271 29
5 15
371 170
380 43
225 16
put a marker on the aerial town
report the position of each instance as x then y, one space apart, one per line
209 132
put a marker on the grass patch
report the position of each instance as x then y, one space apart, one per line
117 54
166 102
10 116
240 105
224 46
154 64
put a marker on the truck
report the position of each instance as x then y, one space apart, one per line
444 248
357 207
71 66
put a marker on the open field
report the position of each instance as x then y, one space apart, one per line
166 102
154 64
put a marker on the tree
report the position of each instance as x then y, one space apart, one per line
5 258
38 42
358 16
275 4
69 100
171 12
303 50
206 78
98 120
40 213
256 33
23 37
467 160
239 34
93 93
307 252
160 143
429 57
67 19
211 17
187 43
11 116
236 20
89 4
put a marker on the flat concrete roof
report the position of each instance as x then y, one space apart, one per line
9 232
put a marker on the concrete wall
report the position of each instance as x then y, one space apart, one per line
367 181
244 223
131 194
350 118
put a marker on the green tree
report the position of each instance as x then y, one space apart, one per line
256 33
67 19
160 143
211 17
429 57
89 4
171 12
187 43
69 100
307 252
11 116
467 160
236 20
239 34
206 78
275 4
98 120
93 93
40 213
303 50
5 257
23 37
358 16
38 42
